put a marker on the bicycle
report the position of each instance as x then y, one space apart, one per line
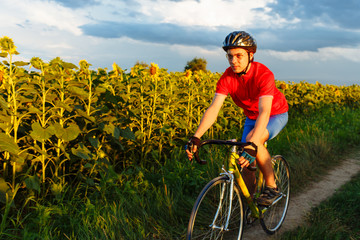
218 212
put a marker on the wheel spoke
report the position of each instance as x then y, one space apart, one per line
208 220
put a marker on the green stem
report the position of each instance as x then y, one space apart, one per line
90 95
14 119
61 122
43 121
153 107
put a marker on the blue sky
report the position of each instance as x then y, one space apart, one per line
298 40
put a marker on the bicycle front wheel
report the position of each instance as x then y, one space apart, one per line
272 219
210 217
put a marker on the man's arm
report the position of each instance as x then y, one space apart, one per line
207 120
262 121
210 115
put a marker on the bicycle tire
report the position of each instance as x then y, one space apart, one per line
205 209
272 219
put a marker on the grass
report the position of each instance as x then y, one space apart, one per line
334 219
148 203
313 143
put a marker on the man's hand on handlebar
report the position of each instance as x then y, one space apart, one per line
192 146
248 155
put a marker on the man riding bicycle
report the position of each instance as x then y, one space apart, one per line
251 86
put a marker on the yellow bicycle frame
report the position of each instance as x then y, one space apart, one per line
233 168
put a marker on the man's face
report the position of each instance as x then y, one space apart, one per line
238 59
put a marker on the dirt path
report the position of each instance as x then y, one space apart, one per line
301 204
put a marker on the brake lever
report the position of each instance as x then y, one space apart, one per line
197 158
196 154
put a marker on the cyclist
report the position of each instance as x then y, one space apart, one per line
251 85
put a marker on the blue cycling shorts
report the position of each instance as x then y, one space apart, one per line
275 125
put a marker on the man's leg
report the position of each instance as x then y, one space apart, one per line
250 180
263 159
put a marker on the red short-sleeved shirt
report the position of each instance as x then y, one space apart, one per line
246 90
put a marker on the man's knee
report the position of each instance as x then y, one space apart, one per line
263 138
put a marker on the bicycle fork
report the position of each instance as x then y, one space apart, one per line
224 227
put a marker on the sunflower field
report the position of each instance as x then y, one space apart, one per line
69 133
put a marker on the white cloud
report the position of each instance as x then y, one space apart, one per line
292 55
27 13
352 54
195 50
46 29
323 54
210 13
114 11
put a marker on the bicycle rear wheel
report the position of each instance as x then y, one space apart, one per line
211 209
272 219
